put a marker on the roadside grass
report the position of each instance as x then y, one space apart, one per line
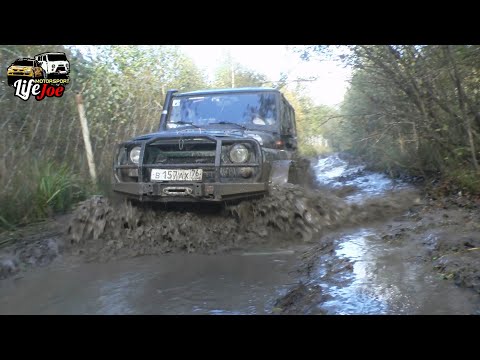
42 189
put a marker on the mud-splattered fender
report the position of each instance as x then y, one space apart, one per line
294 171
280 172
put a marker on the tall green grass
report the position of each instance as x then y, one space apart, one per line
40 190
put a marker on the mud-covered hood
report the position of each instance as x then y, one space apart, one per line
266 139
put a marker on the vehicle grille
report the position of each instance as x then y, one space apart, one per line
199 154
186 153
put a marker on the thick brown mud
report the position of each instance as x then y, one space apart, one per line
289 214
356 243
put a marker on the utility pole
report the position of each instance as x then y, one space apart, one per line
233 74
86 137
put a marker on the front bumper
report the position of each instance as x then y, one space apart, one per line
216 184
188 192
18 76
59 73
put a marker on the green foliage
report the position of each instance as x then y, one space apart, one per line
57 188
313 122
310 150
466 180
44 188
241 76
413 108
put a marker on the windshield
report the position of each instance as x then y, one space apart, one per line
57 57
23 62
239 110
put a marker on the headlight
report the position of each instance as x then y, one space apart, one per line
239 153
135 154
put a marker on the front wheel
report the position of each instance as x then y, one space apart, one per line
293 176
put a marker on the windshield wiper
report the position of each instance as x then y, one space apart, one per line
186 123
228 122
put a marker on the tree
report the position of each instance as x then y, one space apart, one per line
414 107
230 74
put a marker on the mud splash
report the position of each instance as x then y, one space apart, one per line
103 231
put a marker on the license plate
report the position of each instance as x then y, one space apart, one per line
176 175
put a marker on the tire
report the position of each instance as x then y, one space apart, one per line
293 175
44 75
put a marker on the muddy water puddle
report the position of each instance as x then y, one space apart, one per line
387 279
243 283
381 277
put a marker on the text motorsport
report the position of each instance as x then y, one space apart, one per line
40 88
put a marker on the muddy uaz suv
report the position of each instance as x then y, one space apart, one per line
211 146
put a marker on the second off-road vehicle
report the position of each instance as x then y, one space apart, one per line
211 146
54 64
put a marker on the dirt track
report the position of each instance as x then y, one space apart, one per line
359 243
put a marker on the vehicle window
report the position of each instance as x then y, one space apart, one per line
57 57
23 62
251 110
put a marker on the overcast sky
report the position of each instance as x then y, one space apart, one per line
272 60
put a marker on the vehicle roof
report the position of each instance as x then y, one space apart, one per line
50 52
228 90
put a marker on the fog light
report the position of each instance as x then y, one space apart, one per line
209 190
246 172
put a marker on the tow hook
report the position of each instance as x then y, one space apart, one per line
177 191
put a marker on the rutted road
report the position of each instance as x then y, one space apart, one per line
381 265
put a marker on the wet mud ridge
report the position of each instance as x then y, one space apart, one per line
101 231
38 247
